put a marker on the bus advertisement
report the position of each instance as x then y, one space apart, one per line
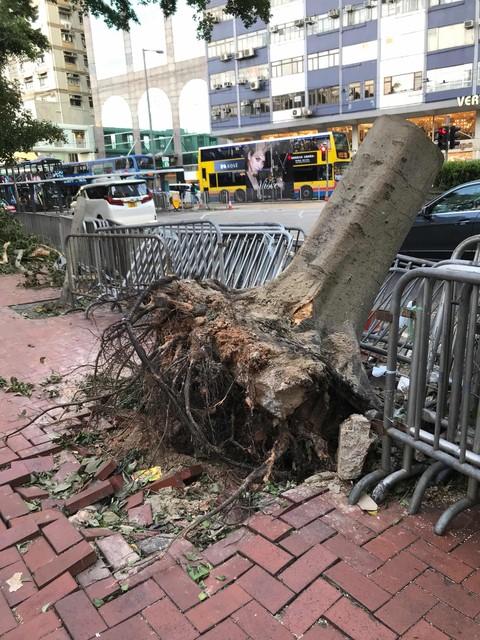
303 167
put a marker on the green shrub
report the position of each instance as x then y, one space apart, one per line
456 172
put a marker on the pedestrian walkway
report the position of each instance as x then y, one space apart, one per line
310 566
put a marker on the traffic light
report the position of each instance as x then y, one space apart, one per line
453 136
323 150
441 136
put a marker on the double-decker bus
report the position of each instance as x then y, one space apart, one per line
303 167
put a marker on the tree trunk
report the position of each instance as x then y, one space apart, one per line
232 370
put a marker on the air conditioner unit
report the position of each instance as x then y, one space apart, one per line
246 103
227 111
297 113
348 8
245 53
215 116
309 21
218 86
242 81
299 23
369 4
334 14
255 85
274 29
225 57
306 112
216 20
227 85
469 24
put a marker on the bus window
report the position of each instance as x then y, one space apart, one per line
144 162
305 174
231 179
341 145
213 180
120 164
204 174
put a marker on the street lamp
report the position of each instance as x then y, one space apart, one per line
152 142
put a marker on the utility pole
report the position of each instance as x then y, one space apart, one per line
152 141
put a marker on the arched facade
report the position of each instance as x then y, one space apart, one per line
160 108
193 106
116 113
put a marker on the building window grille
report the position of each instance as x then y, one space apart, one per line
323 60
287 67
288 101
75 100
324 95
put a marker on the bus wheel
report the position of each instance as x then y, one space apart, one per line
239 195
223 196
306 192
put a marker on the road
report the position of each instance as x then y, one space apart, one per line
291 214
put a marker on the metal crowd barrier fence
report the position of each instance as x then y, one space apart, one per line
102 266
442 420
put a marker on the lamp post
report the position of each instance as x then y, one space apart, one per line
152 142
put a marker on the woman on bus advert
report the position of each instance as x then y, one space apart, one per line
258 164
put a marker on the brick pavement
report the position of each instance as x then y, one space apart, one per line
313 567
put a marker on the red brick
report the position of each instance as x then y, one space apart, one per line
226 573
50 594
102 589
308 567
305 513
59 634
96 532
6 456
80 616
357 557
296 544
6 490
7 621
27 589
422 524
9 556
45 449
149 572
74 560
302 493
40 518
134 500
18 533
18 473
42 464
141 515
266 554
37 627
179 586
39 552
134 629
358 586
32 493
309 606
168 622
398 572
117 482
12 506
53 503
472 583
131 602
94 493
349 527
356 622
323 631
406 608
46 437
190 474
391 542
469 552
170 481
453 623
268 591
441 561
105 470
226 630
424 631
259 624
17 443
383 519
220 606
268 527
61 535
227 547
450 592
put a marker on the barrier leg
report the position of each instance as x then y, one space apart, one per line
453 510
422 485
384 486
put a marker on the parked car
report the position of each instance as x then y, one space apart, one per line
123 202
444 222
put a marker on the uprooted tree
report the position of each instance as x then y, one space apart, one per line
258 375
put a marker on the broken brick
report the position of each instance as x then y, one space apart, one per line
170 481
94 493
96 532
18 473
117 482
134 500
117 551
39 552
41 464
105 470
32 493
17 534
61 535
141 515
12 506
74 560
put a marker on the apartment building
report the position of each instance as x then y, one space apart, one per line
56 86
339 64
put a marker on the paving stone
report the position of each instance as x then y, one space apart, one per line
453 623
226 630
305 513
7 621
18 533
6 456
40 518
42 464
267 590
225 573
406 608
357 557
271 528
134 500
134 629
390 542
350 528
17 443
469 551
179 586
79 616
59 634
450 566
36 628
32 492
74 560
39 552
95 532
141 515
12 506
227 547
66 470
303 492
45 449
450 592
308 567
264 553
309 606
9 556
358 586
472 583
18 473
323 631
168 622
117 552
423 630
61 535
56 590
259 624
132 579
116 482
105 470
97 571
89 496
131 603
101 589
357 623
398 572
217 608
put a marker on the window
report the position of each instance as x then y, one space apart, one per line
286 32
359 15
89 84
436 3
82 38
41 59
231 179
126 190
42 79
401 6
64 15
322 24
28 83
67 36
70 58
219 80
449 78
218 14
287 67
224 111
455 35
253 40
324 95
220 48
369 89
85 60
80 17
254 108
249 74
90 102
403 82
73 79
463 199
323 60
97 192
288 101
354 91
79 137
75 101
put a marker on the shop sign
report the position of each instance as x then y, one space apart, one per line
469 101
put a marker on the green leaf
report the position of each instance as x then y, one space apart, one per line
98 602
198 572
221 578
124 587
202 596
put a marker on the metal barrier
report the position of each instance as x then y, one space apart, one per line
112 266
442 419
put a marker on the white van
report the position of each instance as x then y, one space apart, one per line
121 202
